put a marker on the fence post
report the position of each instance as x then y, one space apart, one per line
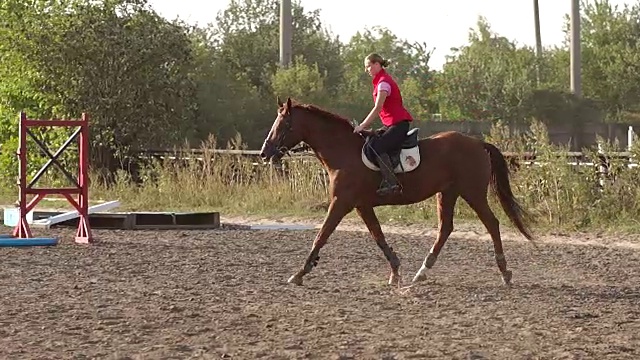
603 167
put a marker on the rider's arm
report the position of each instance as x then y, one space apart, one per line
382 95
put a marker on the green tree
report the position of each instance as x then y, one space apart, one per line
610 68
245 39
301 81
611 56
115 59
227 103
247 36
489 79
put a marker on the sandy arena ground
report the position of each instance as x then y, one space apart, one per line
223 294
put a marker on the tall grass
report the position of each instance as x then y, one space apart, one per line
559 195
233 184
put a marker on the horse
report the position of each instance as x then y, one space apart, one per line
448 164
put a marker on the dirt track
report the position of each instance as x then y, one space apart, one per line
223 294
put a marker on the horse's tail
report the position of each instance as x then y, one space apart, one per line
502 188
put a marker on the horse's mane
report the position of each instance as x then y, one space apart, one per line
322 112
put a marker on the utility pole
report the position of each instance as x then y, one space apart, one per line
576 62
536 17
286 30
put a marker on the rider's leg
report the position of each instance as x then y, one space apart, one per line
389 183
391 138
388 141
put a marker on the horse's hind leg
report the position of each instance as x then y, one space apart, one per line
446 205
479 203
370 219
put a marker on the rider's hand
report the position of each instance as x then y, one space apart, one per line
358 129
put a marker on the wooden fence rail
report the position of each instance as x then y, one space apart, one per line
575 158
515 159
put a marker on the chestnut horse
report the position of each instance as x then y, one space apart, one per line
448 164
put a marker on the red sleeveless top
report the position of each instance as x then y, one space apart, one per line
393 110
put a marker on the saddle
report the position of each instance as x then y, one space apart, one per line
404 159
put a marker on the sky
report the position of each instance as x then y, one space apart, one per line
441 24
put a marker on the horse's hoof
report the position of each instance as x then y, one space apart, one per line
420 275
506 277
394 279
295 279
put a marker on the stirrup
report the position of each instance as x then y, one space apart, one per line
389 189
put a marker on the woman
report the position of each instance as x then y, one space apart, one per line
395 118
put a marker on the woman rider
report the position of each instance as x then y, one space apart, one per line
395 118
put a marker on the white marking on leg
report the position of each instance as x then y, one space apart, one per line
430 260
428 263
421 274
295 279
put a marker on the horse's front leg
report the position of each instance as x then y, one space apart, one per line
337 210
370 219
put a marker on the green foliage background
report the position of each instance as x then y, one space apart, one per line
151 83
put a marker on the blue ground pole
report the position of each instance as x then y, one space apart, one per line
10 241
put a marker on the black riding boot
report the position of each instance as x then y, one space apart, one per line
389 183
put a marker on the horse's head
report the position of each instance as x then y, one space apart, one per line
285 133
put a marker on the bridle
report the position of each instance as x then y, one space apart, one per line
283 150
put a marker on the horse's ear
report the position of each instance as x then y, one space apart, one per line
279 101
288 103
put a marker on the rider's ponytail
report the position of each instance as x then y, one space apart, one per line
376 58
